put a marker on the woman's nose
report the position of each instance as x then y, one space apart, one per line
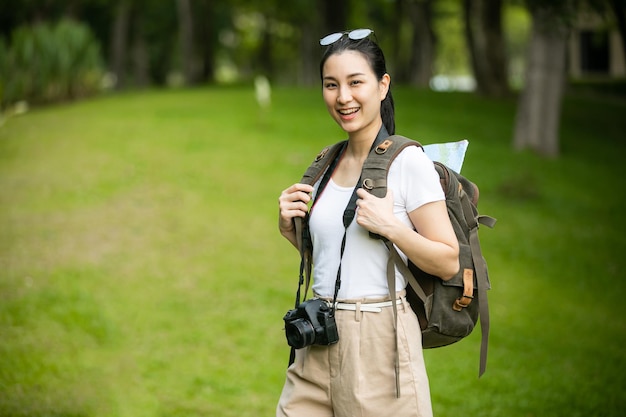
344 95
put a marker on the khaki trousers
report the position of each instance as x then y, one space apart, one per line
356 377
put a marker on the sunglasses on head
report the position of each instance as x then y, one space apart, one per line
355 35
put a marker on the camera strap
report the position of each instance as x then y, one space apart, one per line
348 214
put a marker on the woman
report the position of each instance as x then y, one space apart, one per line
356 376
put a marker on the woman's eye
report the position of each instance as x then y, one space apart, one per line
355 82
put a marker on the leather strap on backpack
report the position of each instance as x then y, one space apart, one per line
473 221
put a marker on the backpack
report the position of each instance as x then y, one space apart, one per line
447 310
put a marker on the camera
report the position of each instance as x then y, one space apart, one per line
312 322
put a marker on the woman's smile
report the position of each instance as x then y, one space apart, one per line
348 113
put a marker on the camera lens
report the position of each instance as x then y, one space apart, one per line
300 333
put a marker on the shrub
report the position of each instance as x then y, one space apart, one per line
45 63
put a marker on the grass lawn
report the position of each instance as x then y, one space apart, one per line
142 274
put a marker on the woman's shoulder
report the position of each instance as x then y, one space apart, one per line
413 162
412 153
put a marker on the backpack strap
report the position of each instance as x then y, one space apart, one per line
374 180
321 162
473 221
375 168
374 175
313 173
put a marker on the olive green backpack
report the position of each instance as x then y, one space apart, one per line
447 310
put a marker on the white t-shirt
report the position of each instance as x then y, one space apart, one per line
414 182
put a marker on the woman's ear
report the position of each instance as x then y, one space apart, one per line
384 83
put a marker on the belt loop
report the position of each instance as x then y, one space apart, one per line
405 304
357 313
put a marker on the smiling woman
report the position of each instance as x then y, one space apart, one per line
347 364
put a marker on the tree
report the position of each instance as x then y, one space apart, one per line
335 14
420 13
483 32
119 42
539 107
307 71
206 34
186 39
618 7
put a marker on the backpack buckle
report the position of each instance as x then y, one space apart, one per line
468 289
382 148
322 154
368 184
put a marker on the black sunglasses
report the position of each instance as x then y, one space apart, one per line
355 35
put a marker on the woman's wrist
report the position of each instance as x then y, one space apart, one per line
396 231
286 229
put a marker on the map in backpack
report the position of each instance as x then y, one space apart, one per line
450 154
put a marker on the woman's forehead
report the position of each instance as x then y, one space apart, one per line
345 63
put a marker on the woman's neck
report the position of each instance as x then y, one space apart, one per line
360 143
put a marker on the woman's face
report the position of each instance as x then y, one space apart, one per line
352 92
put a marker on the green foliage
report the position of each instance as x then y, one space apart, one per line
142 273
45 63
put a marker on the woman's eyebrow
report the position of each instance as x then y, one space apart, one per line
356 74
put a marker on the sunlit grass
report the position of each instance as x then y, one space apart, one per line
141 272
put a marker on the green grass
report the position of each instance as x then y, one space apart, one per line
142 274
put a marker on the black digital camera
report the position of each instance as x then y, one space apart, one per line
312 322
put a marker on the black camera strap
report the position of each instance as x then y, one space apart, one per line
350 211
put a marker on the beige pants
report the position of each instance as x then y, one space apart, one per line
355 377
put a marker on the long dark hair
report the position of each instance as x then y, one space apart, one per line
375 57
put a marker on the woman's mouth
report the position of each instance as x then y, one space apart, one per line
348 113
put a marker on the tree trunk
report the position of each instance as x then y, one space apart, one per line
423 44
119 42
483 31
185 25
398 65
539 107
264 55
141 60
309 45
335 15
619 10
206 37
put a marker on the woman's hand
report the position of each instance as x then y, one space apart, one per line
434 249
375 214
292 203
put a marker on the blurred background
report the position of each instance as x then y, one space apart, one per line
56 50
143 146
